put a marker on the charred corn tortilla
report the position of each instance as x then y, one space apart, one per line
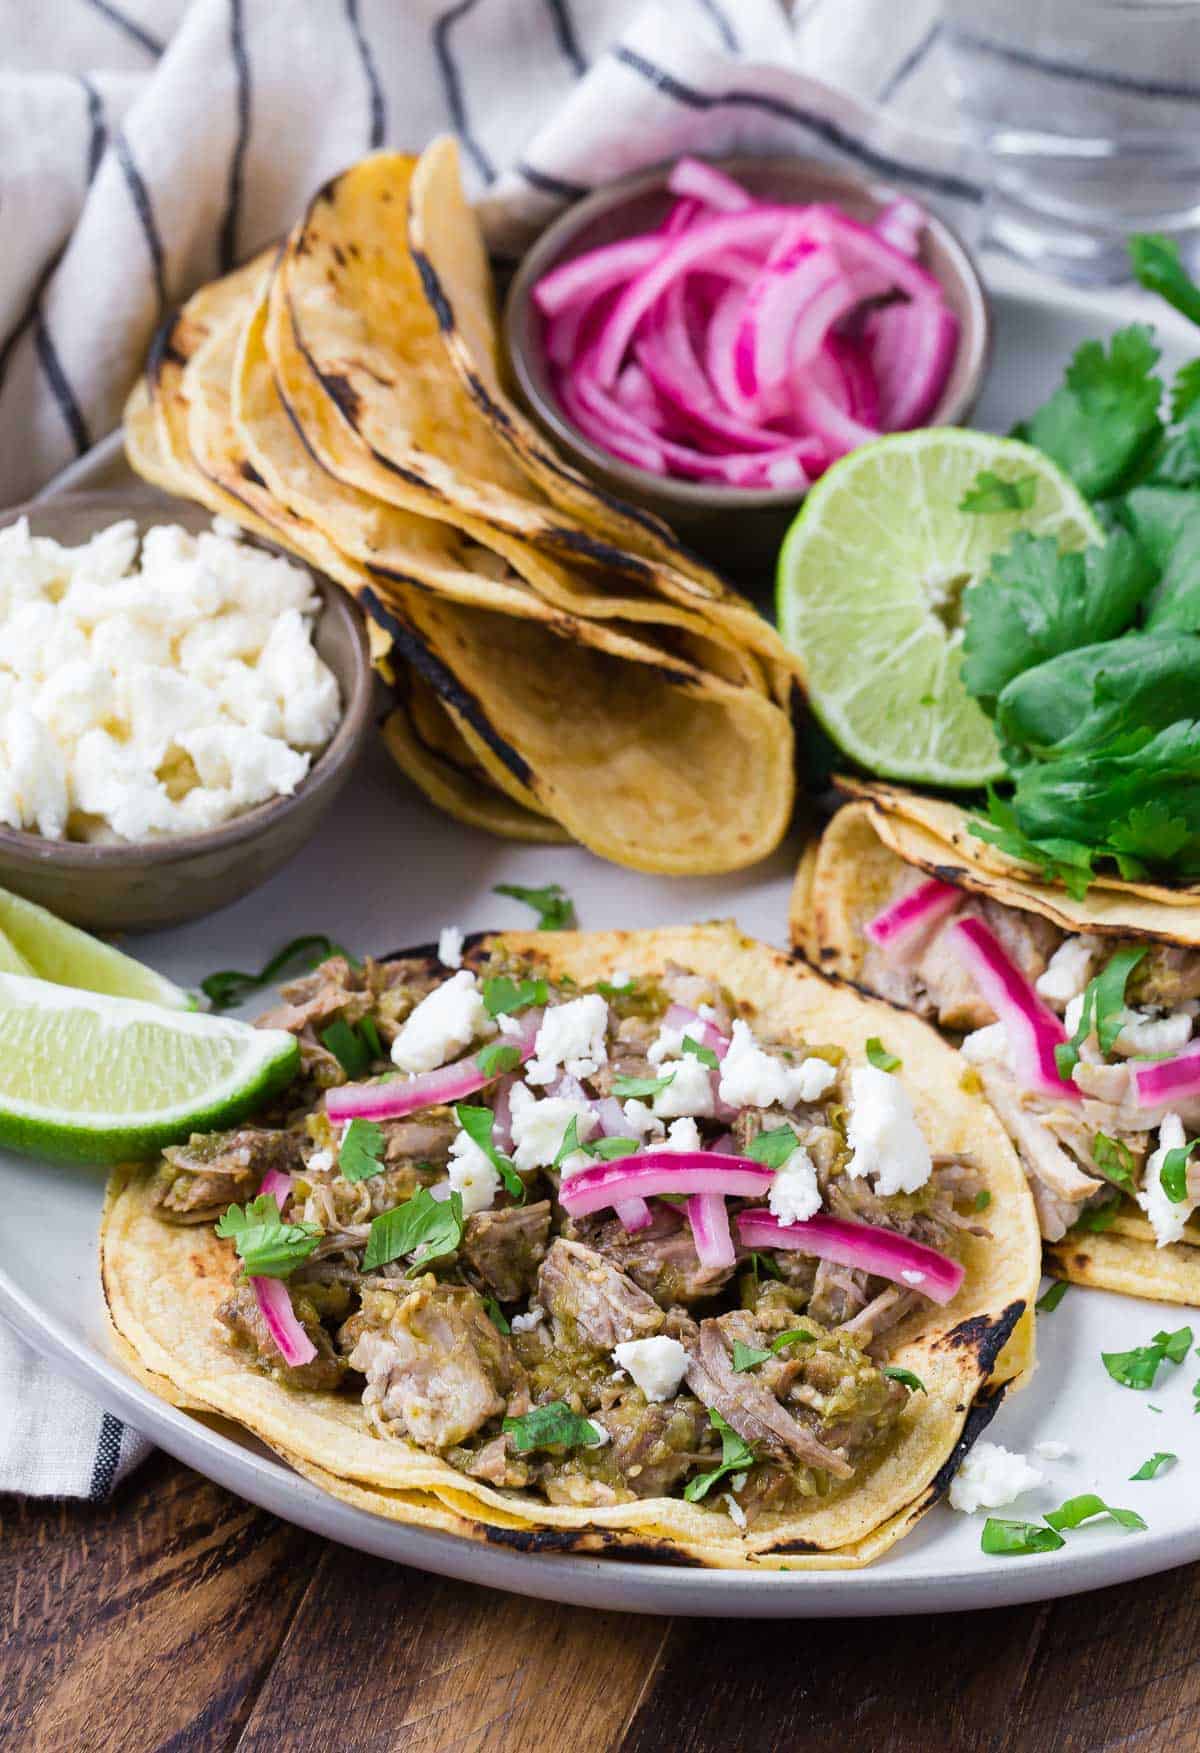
855 872
163 1285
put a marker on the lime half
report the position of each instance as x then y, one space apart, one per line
85 1077
33 941
871 581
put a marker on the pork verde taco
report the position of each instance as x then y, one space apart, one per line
1077 1018
654 1241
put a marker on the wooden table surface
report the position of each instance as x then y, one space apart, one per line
180 1617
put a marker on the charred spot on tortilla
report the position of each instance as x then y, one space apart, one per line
448 687
984 1335
827 952
341 393
594 548
248 472
949 873
983 1410
438 302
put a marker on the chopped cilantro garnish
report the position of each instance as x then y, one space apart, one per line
736 1457
762 1265
1138 1368
1157 265
230 986
639 1087
1158 1463
1114 1159
360 1154
982 1199
1174 1172
910 1381
435 1226
553 906
990 492
880 1058
552 1426
773 1149
1105 416
503 996
1098 1218
605 1150
705 1055
497 1057
266 1245
1103 1011
477 1123
496 1315
1002 1538
350 1046
1050 1299
748 1357
1085 1508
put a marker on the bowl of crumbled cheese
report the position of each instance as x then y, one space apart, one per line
179 706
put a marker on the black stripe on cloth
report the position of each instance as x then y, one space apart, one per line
60 388
1105 78
725 30
227 238
551 185
564 31
9 343
374 87
905 69
140 196
129 26
940 182
452 82
108 1456
99 127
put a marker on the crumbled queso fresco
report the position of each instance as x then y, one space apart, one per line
147 696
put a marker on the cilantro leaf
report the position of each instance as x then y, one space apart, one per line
553 906
1166 523
1103 1011
497 1057
705 1055
1174 1172
435 1226
1059 861
230 986
1158 1463
360 1154
640 1087
1098 1218
1087 698
990 492
605 1150
1138 1368
880 1058
496 1315
910 1381
1050 1299
552 1426
748 1357
1158 267
1035 603
773 1149
1114 1159
1003 1538
1178 463
736 1457
982 1199
503 996
477 1123
349 1046
1185 390
266 1245
1086 1507
1104 419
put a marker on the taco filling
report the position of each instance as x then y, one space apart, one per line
593 1242
1085 1045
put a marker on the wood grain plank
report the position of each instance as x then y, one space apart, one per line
390 1659
144 1623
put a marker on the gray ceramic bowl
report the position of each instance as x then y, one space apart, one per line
137 887
733 524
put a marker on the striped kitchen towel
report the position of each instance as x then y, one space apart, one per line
147 145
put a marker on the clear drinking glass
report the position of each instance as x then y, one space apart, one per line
1088 113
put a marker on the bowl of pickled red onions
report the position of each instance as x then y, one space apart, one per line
716 334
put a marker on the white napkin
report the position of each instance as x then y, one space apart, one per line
147 145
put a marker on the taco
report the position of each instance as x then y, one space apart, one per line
1077 1018
639 1255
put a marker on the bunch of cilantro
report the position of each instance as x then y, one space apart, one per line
1089 663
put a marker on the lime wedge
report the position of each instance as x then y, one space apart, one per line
870 585
85 1077
33 941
